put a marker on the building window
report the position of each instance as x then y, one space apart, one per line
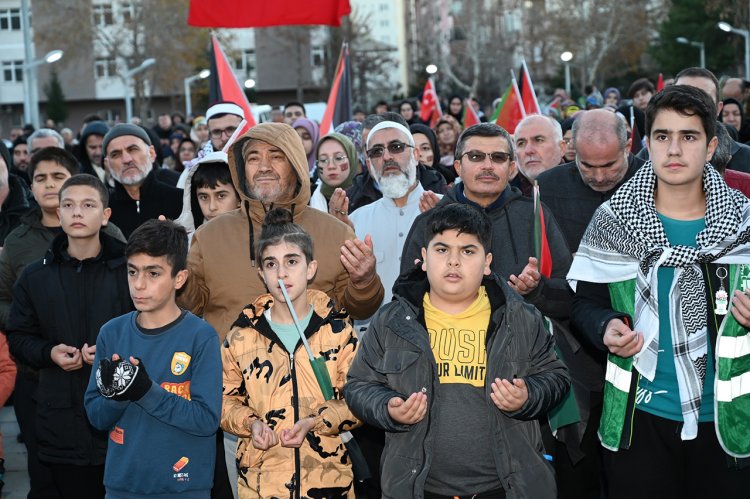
127 10
10 19
384 23
13 71
105 67
247 63
383 7
317 55
103 15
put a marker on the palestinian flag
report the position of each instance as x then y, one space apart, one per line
430 111
528 96
510 110
660 82
224 87
262 13
339 107
541 245
470 117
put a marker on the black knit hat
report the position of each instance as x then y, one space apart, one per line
124 129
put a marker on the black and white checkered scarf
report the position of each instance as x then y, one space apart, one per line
626 240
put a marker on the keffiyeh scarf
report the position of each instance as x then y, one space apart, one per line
626 240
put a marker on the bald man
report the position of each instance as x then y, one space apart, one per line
736 89
572 192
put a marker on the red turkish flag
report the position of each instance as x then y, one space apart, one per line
430 112
262 13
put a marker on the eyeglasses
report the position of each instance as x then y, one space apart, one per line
337 160
393 148
218 132
478 156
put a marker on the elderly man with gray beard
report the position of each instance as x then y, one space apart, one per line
393 161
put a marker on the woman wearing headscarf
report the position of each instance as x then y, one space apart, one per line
447 130
733 115
456 108
337 164
429 158
309 132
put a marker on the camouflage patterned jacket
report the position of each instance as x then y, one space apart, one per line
262 380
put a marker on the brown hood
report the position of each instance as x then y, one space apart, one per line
285 138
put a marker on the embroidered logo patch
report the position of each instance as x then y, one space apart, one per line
117 435
180 363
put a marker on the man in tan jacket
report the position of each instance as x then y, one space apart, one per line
269 168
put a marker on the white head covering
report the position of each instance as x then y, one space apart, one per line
390 124
224 108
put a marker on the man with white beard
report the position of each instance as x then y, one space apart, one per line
393 160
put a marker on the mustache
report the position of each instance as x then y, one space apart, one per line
492 175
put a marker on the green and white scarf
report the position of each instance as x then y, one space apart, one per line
625 240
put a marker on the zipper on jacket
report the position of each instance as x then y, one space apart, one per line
294 485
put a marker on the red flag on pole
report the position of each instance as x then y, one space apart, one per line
528 96
541 245
339 107
660 82
510 110
470 117
261 13
430 111
223 84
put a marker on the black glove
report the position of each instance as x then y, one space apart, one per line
131 381
105 377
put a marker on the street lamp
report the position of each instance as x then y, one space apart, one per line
566 57
700 45
249 83
431 69
744 33
129 81
188 81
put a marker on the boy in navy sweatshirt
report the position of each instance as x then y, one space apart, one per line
161 423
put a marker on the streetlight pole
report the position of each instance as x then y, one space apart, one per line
701 46
189 81
724 26
566 57
129 81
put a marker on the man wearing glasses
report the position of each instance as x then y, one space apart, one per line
485 161
394 160
223 119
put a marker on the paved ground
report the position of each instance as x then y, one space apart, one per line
16 477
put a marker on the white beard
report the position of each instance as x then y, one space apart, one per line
398 185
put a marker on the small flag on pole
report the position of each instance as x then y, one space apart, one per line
470 117
510 111
430 111
528 96
224 87
541 245
339 107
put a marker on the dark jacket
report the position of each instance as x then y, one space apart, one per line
157 199
16 204
363 190
448 172
27 243
395 360
60 299
512 218
93 128
571 201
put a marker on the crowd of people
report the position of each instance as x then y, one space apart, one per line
389 309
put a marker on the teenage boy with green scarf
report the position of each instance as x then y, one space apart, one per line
659 283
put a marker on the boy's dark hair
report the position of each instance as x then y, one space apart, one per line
461 217
696 72
641 84
279 227
207 175
56 155
160 238
87 180
483 130
298 104
687 101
